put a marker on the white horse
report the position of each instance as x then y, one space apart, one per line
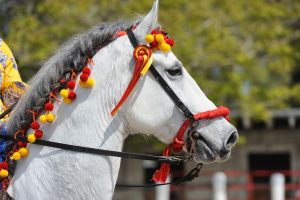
49 173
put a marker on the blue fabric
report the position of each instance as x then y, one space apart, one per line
3 142
2 156
3 131
2 147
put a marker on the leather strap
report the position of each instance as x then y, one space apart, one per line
162 82
89 150
194 173
132 38
171 93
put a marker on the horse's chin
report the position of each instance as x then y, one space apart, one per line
207 159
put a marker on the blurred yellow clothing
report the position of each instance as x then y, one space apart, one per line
11 85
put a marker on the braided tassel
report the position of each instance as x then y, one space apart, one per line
161 175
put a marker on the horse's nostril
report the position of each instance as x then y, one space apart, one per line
232 139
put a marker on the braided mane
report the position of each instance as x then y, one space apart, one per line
74 54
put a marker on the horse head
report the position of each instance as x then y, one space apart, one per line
151 110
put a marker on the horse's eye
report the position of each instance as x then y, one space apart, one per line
175 71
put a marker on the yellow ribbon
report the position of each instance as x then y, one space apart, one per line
147 65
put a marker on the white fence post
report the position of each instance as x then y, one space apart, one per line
163 192
219 184
277 186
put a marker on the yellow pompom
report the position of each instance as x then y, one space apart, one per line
50 117
23 152
159 38
67 100
43 118
16 156
64 93
31 138
90 82
83 84
164 47
149 38
3 173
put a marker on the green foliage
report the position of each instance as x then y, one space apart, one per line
242 53
142 143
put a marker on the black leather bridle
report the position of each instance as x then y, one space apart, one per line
167 159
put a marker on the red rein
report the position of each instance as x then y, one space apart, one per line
178 143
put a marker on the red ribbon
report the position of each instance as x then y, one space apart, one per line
140 53
161 175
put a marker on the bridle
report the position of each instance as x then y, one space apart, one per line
177 144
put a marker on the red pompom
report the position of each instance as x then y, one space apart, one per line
35 125
170 42
71 84
22 144
86 70
4 165
154 32
62 81
84 77
38 134
49 106
72 95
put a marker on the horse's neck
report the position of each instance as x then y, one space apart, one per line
51 173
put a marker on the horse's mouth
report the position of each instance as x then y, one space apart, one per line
203 151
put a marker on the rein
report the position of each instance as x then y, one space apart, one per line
89 150
143 57
128 155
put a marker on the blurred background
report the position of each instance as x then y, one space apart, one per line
243 54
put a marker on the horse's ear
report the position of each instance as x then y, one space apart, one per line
148 23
